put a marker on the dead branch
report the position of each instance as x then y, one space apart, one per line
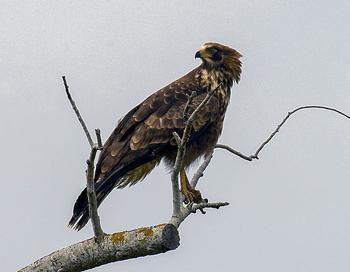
235 152
109 248
104 248
77 113
98 136
200 171
187 106
90 184
255 156
91 194
289 114
180 212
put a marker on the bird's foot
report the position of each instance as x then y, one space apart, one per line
192 196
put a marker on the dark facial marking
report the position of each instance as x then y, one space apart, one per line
217 56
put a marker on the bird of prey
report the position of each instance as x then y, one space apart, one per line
144 136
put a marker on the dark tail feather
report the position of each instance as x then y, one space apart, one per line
103 187
81 208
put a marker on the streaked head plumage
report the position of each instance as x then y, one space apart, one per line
215 55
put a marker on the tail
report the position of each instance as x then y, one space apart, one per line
81 215
145 158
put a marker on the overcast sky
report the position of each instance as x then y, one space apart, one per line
290 211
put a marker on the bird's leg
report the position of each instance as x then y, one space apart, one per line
191 195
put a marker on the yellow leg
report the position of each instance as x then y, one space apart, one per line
191 195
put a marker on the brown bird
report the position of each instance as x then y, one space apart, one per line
144 136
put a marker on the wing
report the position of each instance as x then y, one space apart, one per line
144 136
146 131
158 129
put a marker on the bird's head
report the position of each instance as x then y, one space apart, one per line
215 55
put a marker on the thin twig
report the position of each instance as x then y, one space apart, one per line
205 101
192 208
230 149
177 138
98 137
76 110
201 169
188 127
175 175
187 106
90 187
200 206
178 213
256 154
205 163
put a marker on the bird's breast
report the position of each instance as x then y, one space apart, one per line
212 79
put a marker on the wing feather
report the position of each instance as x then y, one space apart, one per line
149 126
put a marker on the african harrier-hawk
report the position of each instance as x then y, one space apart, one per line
145 135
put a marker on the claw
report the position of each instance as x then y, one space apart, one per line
202 211
191 195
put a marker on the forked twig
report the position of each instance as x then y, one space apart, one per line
260 148
91 194
90 184
255 156
143 241
187 106
179 211
199 173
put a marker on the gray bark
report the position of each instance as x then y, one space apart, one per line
109 248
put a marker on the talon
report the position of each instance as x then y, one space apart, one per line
191 195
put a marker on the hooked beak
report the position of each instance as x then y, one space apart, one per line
198 55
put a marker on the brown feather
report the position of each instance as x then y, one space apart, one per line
144 136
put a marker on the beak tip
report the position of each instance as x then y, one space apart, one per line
197 55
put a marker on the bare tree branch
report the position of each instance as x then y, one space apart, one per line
180 212
105 248
201 169
255 156
192 208
76 110
91 194
235 152
109 248
187 106
200 206
90 184
205 163
260 148
99 140
175 176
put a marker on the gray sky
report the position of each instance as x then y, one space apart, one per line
290 211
